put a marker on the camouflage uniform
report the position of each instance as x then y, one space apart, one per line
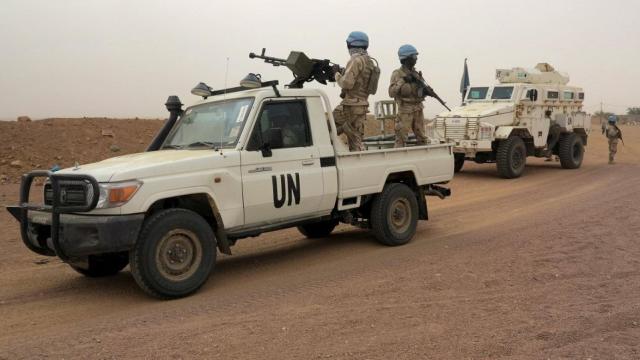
409 107
351 114
613 134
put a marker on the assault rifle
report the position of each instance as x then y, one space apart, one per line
303 68
424 88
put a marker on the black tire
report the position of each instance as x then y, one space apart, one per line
389 211
103 265
458 162
571 151
318 229
511 157
174 255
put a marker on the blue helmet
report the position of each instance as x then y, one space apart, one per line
406 50
358 39
612 119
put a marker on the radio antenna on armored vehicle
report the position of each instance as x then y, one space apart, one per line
303 68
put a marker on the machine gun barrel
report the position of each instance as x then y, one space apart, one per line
268 59
304 69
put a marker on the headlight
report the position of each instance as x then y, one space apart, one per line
485 132
117 194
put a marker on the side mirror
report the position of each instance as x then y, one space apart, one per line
273 140
533 94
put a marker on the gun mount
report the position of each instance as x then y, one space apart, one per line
303 68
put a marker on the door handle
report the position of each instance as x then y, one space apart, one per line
260 169
308 162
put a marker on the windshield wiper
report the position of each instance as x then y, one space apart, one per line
172 146
202 143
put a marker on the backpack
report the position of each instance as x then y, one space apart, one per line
372 86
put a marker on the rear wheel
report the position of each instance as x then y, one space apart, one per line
318 229
511 157
458 162
174 254
103 265
571 151
394 215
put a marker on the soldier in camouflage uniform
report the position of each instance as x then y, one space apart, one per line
351 114
405 91
613 133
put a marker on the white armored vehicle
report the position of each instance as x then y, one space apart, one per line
530 112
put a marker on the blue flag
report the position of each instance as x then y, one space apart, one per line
464 82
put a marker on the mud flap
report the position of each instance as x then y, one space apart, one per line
423 212
221 235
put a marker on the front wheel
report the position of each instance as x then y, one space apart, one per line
103 265
394 215
174 255
571 151
458 162
511 157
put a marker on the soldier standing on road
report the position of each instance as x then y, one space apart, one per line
405 91
613 133
358 81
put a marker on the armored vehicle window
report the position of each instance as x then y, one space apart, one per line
531 94
568 95
552 95
502 93
288 116
477 93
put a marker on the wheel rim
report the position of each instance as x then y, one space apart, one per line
400 215
178 255
517 158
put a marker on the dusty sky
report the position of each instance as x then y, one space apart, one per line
122 58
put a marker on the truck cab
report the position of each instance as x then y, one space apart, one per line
236 164
530 112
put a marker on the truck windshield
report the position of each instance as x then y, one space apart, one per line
502 93
477 93
216 124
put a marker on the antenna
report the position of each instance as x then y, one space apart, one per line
226 75
224 99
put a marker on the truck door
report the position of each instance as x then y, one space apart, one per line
534 116
281 173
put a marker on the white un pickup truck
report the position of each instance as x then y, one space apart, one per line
237 164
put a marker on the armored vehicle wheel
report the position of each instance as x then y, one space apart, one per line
511 157
458 162
318 229
103 265
394 215
571 151
174 254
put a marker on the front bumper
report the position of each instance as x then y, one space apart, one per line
81 235
69 231
471 147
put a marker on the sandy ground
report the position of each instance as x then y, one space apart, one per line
545 266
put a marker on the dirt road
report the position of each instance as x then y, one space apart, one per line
545 266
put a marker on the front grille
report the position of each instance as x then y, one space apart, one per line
464 130
472 128
455 131
72 193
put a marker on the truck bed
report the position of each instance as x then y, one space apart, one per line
365 172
